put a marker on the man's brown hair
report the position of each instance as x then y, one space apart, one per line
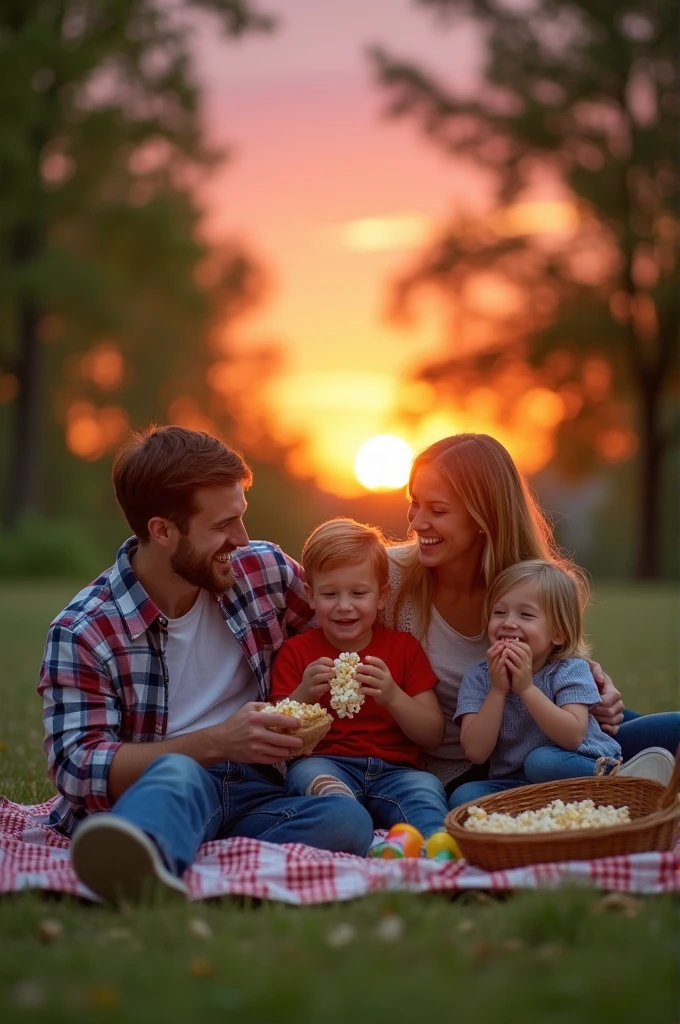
158 470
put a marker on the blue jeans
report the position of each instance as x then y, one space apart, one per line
637 732
547 764
180 805
477 790
391 793
543 764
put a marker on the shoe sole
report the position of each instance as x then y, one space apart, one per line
119 862
654 763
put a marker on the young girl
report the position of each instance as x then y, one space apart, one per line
527 707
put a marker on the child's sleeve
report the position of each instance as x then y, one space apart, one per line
286 671
418 674
573 683
473 691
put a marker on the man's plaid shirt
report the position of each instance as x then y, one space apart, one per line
104 678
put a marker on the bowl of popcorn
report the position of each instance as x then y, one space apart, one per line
315 722
574 819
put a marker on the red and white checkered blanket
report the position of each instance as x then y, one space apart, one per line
33 856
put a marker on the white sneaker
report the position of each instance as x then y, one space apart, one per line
653 763
119 862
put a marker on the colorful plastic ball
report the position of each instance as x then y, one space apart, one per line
442 842
408 837
387 850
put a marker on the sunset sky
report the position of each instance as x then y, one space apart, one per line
333 198
329 196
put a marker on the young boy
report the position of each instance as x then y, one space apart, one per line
372 756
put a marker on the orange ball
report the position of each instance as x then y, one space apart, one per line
402 826
408 837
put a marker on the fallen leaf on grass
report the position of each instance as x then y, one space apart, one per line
547 952
199 967
466 926
482 950
341 935
514 945
116 935
628 905
200 928
50 930
391 928
27 994
103 997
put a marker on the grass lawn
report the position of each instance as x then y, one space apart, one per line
553 958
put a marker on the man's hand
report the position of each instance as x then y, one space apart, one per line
609 713
519 662
247 737
316 680
376 681
498 669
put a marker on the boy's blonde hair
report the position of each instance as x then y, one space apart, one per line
483 475
339 542
563 592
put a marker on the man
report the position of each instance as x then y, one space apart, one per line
153 676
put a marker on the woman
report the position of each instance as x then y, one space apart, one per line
472 516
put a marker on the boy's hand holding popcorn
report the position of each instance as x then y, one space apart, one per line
316 681
376 681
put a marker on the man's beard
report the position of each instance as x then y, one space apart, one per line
199 570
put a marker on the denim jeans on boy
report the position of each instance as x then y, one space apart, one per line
390 793
180 805
544 764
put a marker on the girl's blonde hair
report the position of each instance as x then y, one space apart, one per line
563 593
483 475
339 542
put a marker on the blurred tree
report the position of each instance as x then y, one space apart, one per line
582 94
107 291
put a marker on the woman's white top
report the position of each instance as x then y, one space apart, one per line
451 654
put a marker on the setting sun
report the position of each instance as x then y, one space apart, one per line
383 463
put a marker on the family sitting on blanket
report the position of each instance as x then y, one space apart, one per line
153 676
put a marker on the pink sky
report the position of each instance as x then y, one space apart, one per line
312 156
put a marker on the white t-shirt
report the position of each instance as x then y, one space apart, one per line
451 655
209 677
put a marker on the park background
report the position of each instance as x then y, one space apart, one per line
302 224
306 224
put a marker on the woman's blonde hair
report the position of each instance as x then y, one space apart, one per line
483 475
339 542
563 593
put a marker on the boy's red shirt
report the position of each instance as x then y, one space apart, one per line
372 732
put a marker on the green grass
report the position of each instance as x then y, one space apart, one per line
551 957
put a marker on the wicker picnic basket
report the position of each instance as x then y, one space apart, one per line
654 810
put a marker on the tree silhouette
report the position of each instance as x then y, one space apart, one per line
585 91
106 290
